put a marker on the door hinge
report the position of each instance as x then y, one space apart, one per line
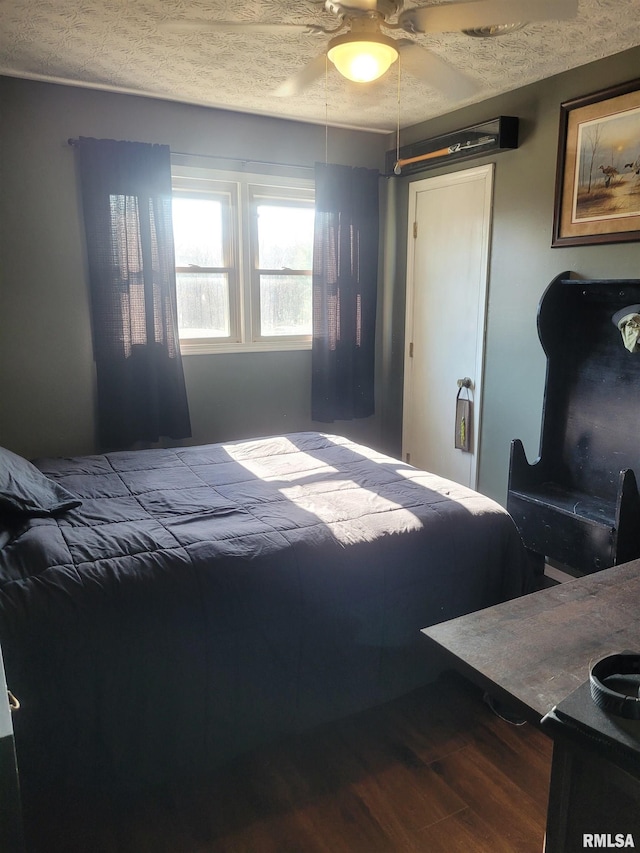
411 350
415 229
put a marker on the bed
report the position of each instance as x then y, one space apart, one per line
162 611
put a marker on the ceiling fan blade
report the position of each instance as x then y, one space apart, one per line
360 5
435 71
452 17
304 78
234 27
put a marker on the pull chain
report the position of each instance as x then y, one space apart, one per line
326 109
398 116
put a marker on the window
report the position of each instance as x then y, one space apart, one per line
244 247
205 273
282 267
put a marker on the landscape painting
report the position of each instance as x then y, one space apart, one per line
598 179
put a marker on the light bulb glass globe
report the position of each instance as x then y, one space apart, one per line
362 60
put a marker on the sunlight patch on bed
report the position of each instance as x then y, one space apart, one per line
290 464
355 511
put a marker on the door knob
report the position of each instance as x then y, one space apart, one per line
465 383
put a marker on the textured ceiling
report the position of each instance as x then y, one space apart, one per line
131 46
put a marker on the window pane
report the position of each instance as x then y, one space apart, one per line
285 305
197 232
203 305
285 237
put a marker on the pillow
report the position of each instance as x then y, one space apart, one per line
25 490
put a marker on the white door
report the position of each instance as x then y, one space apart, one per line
447 267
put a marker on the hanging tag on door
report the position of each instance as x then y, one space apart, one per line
463 427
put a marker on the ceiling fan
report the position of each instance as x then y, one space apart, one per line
362 48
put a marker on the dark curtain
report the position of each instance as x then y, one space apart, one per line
126 193
345 277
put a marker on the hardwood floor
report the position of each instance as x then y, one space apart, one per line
435 772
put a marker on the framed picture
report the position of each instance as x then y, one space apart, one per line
598 174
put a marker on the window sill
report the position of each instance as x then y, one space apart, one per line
207 348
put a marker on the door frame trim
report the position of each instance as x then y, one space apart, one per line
486 173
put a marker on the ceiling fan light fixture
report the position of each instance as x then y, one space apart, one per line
362 59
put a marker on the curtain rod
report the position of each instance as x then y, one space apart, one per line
244 161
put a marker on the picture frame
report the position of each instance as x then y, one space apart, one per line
597 194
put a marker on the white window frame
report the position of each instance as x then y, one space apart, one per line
244 190
227 193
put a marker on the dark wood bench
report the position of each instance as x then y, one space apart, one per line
578 503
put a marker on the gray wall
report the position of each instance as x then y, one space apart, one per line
522 261
46 369
46 366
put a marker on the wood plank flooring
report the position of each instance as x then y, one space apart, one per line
434 772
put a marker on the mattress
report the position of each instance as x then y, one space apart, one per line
191 603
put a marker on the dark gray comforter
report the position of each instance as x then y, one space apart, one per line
202 600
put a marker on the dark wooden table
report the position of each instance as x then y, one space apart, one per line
534 651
